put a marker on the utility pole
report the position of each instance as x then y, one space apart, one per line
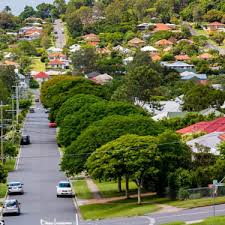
17 104
2 146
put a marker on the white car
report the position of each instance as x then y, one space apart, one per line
15 188
64 189
11 206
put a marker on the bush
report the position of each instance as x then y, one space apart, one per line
183 194
33 84
3 174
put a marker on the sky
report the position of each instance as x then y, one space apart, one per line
18 5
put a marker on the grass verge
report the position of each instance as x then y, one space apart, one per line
116 209
219 220
109 188
3 190
37 65
10 165
81 189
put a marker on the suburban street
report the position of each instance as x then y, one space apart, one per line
38 169
59 34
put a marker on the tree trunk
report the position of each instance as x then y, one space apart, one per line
119 184
127 186
139 184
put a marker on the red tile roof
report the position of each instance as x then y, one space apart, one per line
182 57
41 75
56 62
217 125
216 24
161 26
164 42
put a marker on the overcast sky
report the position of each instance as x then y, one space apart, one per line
18 5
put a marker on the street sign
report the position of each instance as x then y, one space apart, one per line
215 182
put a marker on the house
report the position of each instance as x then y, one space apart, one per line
41 77
128 60
198 78
91 39
182 57
30 33
53 49
92 75
143 26
211 141
102 79
217 125
57 55
149 49
11 63
121 49
162 27
103 51
178 66
136 42
215 26
210 111
164 43
155 57
169 115
205 56
57 64
75 48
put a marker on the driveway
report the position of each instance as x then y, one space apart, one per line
38 168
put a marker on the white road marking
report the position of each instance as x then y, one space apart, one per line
194 221
151 220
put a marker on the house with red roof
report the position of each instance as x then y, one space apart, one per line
162 27
217 125
57 55
164 43
205 56
41 77
91 39
182 57
57 64
216 26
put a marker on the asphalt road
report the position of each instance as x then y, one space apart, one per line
38 169
59 34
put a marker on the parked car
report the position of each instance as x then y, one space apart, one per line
25 140
15 188
11 206
47 110
64 189
52 125
32 110
36 99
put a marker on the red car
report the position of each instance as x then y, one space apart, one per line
52 125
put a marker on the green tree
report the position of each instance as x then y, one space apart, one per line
200 97
74 24
27 12
3 174
101 132
60 6
131 156
75 123
218 37
44 10
74 104
84 60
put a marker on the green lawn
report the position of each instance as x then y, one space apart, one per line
37 65
109 188
81 189
219 220
116 209
10 164
3 190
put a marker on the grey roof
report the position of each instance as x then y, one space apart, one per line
177 64
93 74
209 111
209 140
194 76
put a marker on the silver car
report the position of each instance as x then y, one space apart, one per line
11 206
15 188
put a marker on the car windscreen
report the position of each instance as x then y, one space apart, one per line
14 184
10 204
64 185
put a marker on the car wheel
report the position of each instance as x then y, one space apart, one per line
58 196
